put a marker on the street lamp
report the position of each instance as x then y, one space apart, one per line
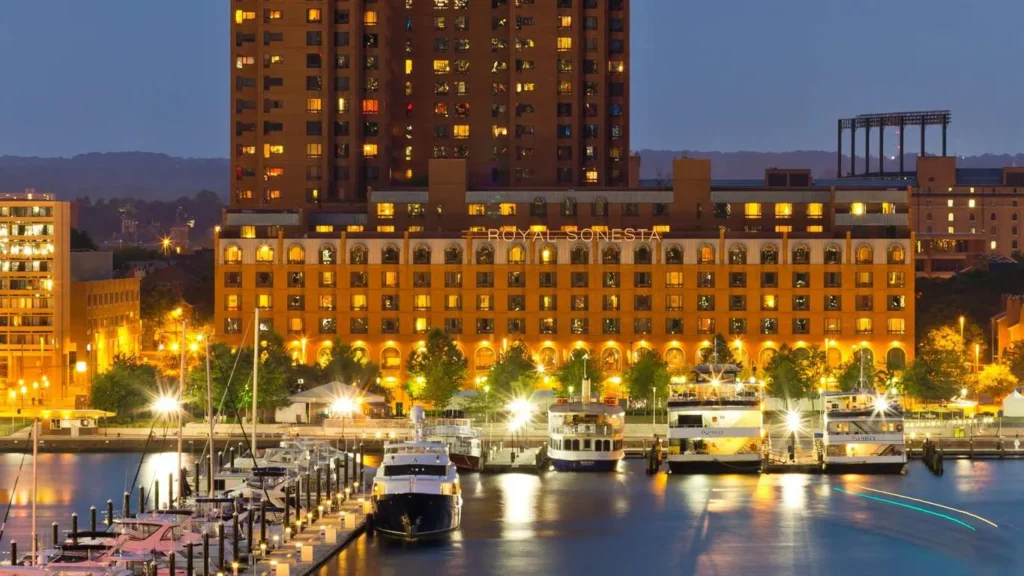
344 406
961 331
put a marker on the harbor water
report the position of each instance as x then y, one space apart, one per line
623 522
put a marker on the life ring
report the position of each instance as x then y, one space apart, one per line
899 427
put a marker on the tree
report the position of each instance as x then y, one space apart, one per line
442 367
936 375
231 371
648 377
80 240
571 373
514 373
724 353
125 389
783 375
1014 358
813 367
997 380
348 367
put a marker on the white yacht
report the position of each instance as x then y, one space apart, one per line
465 442
862 432
715 422
416 490
585 435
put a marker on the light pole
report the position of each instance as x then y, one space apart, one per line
977 352
961 331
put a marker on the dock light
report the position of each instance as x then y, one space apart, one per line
521 410
165 405
793 421
963 392
234 568
263 549
881 404
344 405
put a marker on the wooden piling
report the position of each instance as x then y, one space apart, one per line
110 512
92 518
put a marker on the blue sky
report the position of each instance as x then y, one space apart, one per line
767 75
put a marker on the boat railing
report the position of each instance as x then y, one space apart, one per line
447 430
712 393
702 425
586 430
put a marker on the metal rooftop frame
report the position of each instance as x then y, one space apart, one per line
881 121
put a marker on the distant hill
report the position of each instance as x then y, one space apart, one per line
116 175
658 163
158 177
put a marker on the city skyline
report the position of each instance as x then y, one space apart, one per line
176 98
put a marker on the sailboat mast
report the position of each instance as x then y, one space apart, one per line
181 396
35 489
255 375
209 417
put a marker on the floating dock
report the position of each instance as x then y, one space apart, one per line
515 460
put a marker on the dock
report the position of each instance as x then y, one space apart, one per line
977 448
502 459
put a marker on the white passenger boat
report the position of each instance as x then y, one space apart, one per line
715 422
585 436
862 432
465 441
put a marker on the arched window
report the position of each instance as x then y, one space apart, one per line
738 254
516 254
642 255
833 255
769 254
569 207
579 254
265 254
801 254
834 358
485 254
897 254
896 359
640 352
675 358
610 359
390 358
328 255
869 358
324 356
707 254
864 254
484 358
232 254
453 254
549 254
610 255
421 254
539 208
389 255
358 254
600 206
296 254
548 358
674 255
359 354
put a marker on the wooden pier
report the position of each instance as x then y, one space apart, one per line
977 448
515 460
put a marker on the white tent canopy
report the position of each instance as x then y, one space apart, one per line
328 393
1013 405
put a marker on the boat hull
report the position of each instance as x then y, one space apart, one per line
584 465
714 466
865 467
414 515
465 461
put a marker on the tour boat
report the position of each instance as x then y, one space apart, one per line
464 441
416 490
862 432
715 422
585 435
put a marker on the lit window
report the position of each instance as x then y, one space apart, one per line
525 86
272 149
661 228
497 131
314 105
949 230
949 203
274 15
564 22
248 232
816 228
864 325
783 210
507 209
992 245
949 217
369 18
970 203
752 210
590 176
342 105
324 228
888 208
369 150
264 301
616 66
241 16
272 194
408 66
896 325
313 15
461 131
442 66
564 44
385 228
477 210
815 210
780 229
371 107
354 228
857 208
273 172
265 254
314 151
242 61
385 210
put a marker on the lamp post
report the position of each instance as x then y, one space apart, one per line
961 331
977 352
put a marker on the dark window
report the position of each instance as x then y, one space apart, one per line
579 280
313 128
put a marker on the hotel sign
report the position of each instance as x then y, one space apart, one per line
585 235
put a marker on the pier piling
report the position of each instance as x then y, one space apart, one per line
189 559
319 490
220 459
55 536
14 553
329 485
92 518
170 490
170 563
248 533
263 521
127 511
220 546
235 529
74 528
345 456
206 553
110 512
156 495
308 492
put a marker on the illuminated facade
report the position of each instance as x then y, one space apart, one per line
331 99
105 324
35 291
561 269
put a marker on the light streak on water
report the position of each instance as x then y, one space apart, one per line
936 504
900 504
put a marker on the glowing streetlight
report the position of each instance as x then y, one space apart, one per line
166 405
881 404
961 331
793 421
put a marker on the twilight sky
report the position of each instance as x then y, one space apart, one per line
768 75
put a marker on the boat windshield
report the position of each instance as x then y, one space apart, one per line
416 449
139 530
415 470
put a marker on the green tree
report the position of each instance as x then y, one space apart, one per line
514 373
648 377
724 353
273 385
783 377
442 367
125 389
813 367
1014 358
571 373
997 380
349 367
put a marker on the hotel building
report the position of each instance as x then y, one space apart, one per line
610 270
331 99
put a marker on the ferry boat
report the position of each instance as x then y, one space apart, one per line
715 422
862 432
416 490
585 436
465 442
